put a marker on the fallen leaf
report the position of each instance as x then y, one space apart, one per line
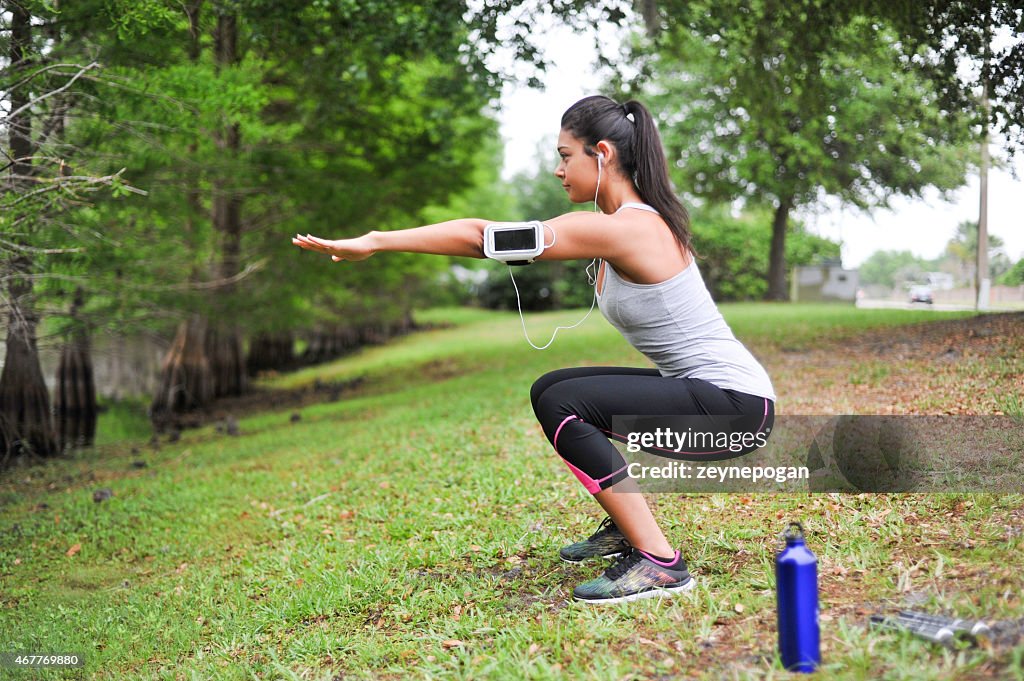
738 607
73 550
452 643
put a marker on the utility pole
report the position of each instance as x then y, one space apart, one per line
982 281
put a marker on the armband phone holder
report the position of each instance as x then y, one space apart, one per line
515 243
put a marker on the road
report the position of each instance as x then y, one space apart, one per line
937 307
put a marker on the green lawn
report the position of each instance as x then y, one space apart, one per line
410 530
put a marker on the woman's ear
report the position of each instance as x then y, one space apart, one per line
608 149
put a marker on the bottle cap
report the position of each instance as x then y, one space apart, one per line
794 533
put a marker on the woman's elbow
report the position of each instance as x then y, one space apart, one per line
475 239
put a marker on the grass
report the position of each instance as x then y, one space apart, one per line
411 530
1011 405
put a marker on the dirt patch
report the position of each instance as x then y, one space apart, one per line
963 366
227 410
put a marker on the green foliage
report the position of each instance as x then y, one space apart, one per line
962 251
733 251
350 116
892 268
135 19
1014 276
782 104
944 37
755 105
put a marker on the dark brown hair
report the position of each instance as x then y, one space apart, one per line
638 145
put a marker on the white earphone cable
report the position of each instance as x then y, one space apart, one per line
557 328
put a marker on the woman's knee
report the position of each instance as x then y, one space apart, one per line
541 385
552 408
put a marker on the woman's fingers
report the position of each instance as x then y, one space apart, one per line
311 243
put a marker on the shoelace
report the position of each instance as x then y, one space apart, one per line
606 526
626 561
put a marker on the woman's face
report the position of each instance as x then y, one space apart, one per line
577 170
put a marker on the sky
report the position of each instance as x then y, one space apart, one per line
923 226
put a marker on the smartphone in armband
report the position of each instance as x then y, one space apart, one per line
515 243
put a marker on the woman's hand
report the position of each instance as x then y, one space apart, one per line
341 249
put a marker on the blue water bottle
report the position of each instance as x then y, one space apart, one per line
796 584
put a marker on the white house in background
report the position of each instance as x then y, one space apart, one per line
940 281
824 282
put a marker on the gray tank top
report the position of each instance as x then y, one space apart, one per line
677 326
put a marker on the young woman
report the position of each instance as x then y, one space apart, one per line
650 289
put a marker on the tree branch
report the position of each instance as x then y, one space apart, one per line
52 93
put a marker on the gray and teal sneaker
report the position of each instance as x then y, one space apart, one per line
636 575
607 542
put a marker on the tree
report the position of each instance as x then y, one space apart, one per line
962 253
733 251
779 105
954 44
892 268
251 121
1014 276
245 121
37 192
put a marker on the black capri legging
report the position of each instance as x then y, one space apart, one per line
576 406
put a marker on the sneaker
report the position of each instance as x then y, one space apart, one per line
607 542
635 575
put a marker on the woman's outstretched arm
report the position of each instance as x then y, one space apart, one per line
576 235
463 237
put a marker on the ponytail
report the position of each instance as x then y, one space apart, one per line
650 173
631 128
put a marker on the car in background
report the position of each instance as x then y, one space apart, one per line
921 294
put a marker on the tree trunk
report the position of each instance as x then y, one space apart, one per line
225 342
227 362
186 380
270 351
26 424
75 399
777 289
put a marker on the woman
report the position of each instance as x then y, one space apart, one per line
650 289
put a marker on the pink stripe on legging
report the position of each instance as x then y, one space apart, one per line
588 482
591 485
554 440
